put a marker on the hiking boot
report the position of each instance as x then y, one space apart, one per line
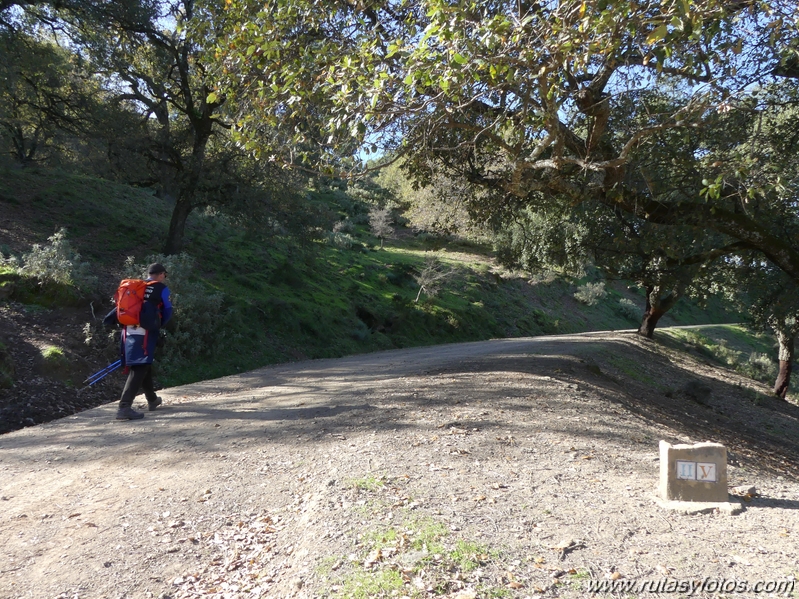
152 405
128 414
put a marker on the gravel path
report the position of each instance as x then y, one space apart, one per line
508 468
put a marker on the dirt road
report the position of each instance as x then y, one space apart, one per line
534 458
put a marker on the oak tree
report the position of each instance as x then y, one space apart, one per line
527 99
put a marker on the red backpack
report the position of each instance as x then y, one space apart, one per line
129 299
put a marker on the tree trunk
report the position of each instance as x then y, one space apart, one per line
188 187
649 322
656 307
177 225
786 357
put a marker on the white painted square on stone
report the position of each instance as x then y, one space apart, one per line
682 479
706 472
686 470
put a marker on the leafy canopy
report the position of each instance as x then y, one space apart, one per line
530 100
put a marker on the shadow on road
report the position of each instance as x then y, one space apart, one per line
439 389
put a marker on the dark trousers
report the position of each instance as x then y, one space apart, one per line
139 377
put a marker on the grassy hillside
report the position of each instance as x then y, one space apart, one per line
284 300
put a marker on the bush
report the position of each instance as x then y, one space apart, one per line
199 324
340 240
759 367
100 339
56 263
344 226
381 223
629 310
590 293
432 277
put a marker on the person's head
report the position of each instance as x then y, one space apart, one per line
156 271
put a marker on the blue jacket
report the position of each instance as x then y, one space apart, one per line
138 343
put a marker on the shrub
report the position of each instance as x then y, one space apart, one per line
432 277
628 309
99 337
200 319
55 262
590 293
340 240
344 226
381 223
759 367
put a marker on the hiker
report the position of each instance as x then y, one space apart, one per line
139 343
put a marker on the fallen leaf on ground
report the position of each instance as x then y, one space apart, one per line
568 544
373 558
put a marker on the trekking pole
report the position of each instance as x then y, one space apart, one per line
101 374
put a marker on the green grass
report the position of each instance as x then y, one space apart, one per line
428 535
748 352
467 556
53 354
368 483
381 538
633 369
287 300
55 362
372 572
109 219
368 584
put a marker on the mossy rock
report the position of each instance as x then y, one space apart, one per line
6 368
54 363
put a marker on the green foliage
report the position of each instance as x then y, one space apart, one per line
748 353
57 263
345 226
99 338
44 94
440 208
53 354
590 293
340 240
200 328
369 483
49 275
760 367
365 584
556 111
628 309
467 555
266 298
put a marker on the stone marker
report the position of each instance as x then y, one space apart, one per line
693 472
